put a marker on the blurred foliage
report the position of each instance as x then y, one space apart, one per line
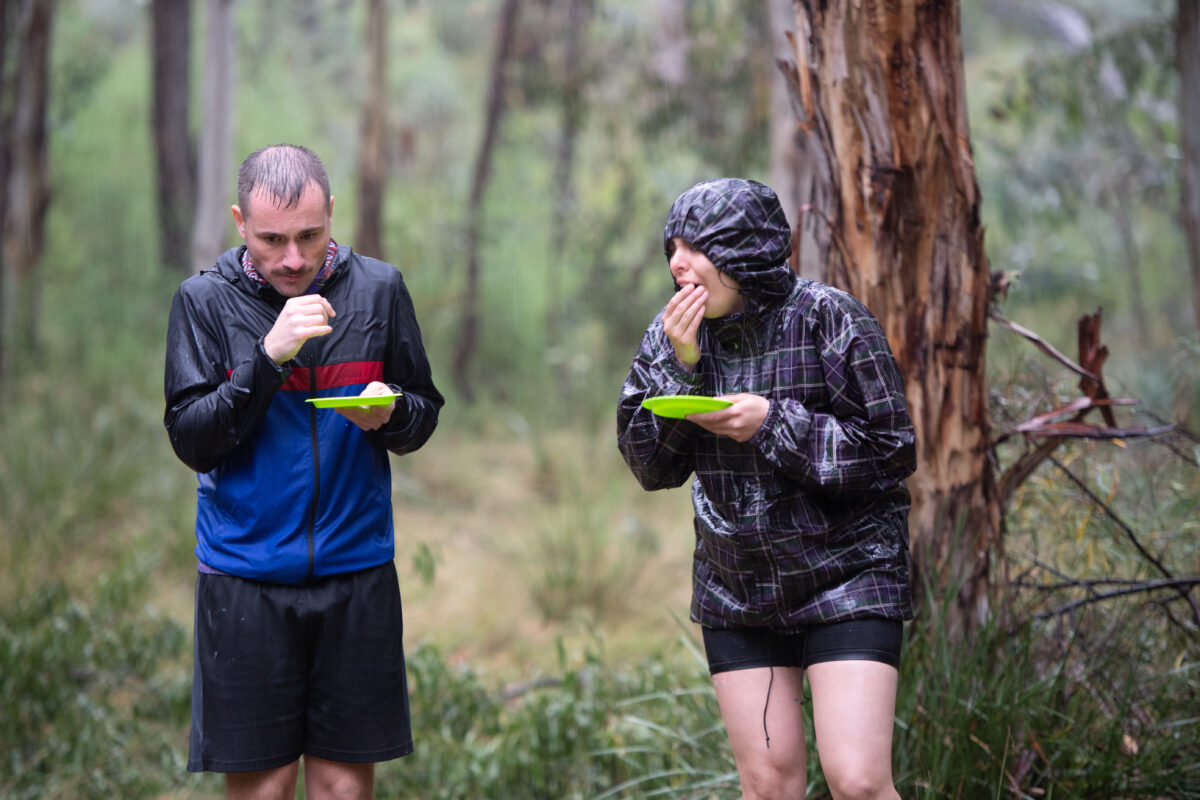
1074 131
1076 145
86 708
580 558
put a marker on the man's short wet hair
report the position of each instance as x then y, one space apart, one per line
281 171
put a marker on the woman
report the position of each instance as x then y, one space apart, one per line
801 559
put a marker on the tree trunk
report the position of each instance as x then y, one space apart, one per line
572 112
171 43
787 171
670 60
468 337
7 93
371 148
880 91
215 172
27 186
1187 59
791 168
1123 224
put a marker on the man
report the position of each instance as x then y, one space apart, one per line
298 619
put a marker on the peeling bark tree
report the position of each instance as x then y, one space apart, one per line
371 148
27 185
788 172
792 171
171 43
879 90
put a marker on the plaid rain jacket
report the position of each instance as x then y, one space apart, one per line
807 521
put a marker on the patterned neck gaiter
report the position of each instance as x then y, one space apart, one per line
322 276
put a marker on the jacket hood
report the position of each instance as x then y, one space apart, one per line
740 227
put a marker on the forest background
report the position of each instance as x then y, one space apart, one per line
545 594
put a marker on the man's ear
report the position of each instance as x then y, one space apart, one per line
239 220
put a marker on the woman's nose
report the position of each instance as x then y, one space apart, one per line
677 264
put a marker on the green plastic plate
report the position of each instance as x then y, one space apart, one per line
680 405
347 402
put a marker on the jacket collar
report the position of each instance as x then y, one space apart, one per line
229 267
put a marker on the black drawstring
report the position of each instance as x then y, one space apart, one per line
802 699
770 683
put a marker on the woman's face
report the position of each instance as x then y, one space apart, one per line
690 266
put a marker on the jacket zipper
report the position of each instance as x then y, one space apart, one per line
316 453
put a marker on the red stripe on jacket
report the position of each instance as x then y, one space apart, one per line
331 376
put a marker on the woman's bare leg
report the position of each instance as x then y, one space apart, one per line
763 715
854 708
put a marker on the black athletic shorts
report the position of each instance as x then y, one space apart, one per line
873 639
284 670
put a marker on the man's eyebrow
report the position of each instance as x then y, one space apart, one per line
313 229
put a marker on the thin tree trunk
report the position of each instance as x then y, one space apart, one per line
371 150
880 87
572 114
670 59
1187 60
171 43
7 93
215 172
468 338
1122 216
786 172
27 183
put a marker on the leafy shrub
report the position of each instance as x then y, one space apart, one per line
1010 713
82 701
592 732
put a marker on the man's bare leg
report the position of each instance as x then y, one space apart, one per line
265 784
338 780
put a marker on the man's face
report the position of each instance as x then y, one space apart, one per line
288 245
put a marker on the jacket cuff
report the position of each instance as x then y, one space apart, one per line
281 371
763 434
258 375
